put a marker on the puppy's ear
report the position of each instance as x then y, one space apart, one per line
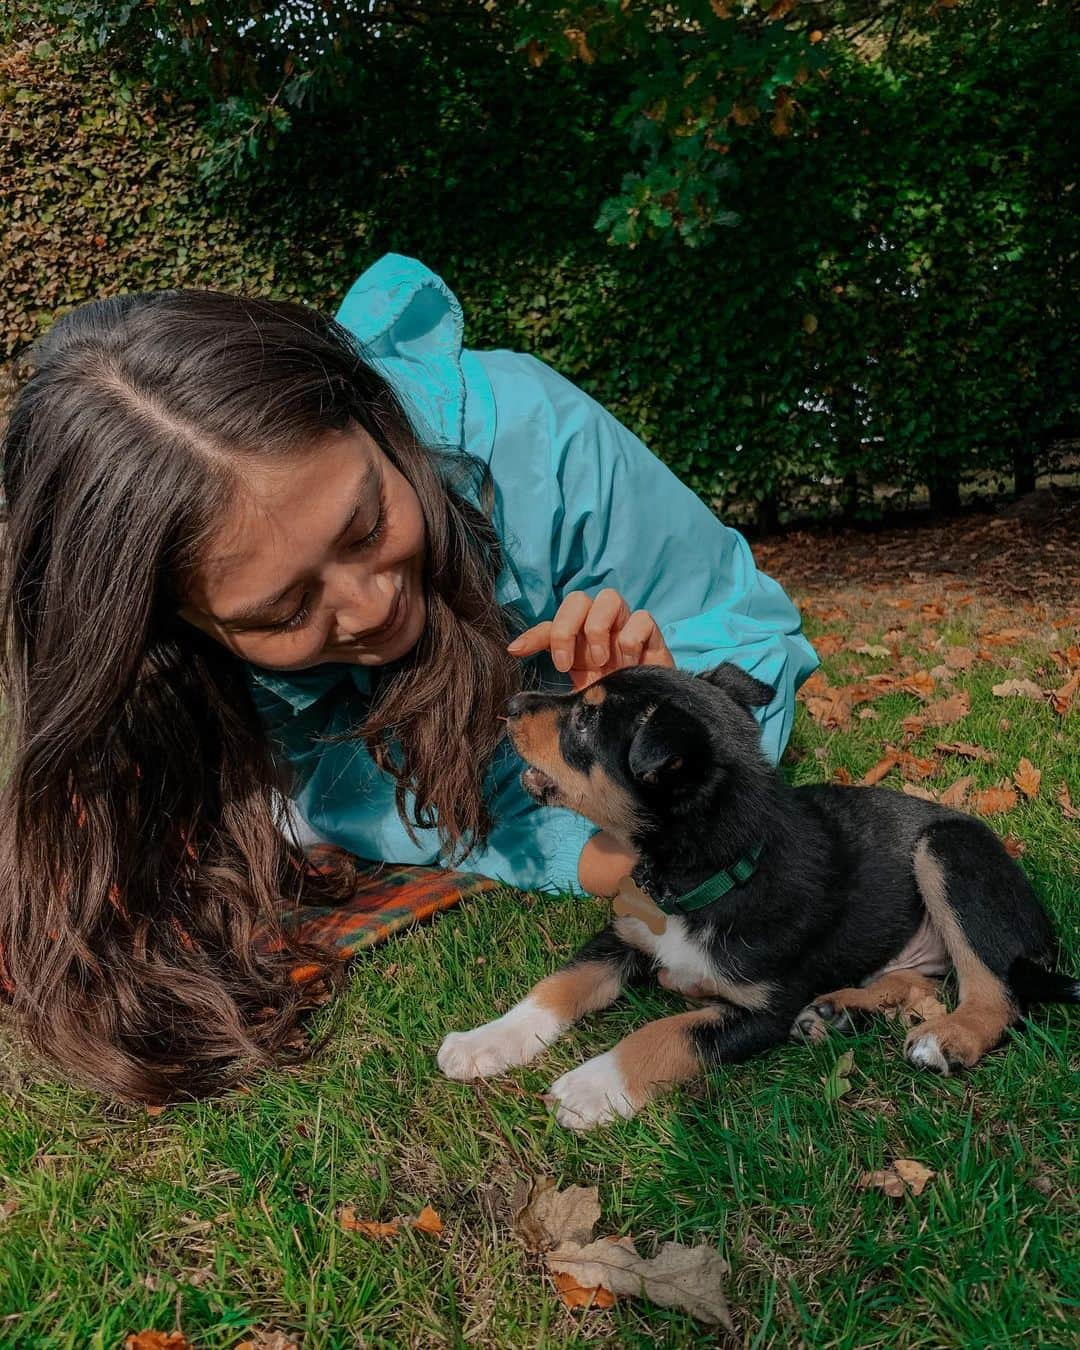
740 686
658 748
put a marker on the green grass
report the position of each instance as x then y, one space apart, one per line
220 1217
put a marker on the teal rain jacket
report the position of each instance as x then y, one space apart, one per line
580 504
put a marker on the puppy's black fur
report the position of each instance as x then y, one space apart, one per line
850 881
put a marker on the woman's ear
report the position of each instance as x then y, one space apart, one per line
740 686
659 746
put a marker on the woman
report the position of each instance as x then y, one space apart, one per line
253 551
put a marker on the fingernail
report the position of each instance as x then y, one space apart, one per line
513 646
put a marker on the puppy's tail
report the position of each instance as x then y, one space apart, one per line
1035 984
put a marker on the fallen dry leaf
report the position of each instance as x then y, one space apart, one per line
1061 699
828 644
904 1175
923 794
157 1340
369 1227
867 714
923 1010
916 766
268 1340
576 1295
919 682
7 1209
1027 778
1015 848
964 750
549 1217
914 724
959 658
990 801
688 1278
1069 811
427 1221
955 793
842 776
946 710
1017 689
880 769
874 649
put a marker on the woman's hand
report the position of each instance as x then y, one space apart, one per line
590 638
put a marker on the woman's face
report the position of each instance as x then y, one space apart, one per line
322 560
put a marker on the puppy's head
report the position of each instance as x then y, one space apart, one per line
642 747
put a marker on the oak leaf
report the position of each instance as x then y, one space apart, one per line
1027 778
547 1217
947 710
688 1278
992 800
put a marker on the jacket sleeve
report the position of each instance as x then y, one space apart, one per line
617 516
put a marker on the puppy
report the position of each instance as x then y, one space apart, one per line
756 897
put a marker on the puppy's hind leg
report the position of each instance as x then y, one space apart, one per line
988 917
591 980
897 991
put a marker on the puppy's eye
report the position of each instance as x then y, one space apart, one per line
580 718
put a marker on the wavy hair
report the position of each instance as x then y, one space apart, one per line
140 857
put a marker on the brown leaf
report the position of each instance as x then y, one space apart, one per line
576 1295
427 1221
919 682
842 776
874 649
924 1009
990 801
916 766
1015 848
947 710
867 714
904 1174
955 793
1069 811
880 769
914 724
959 658
550 1217
923 794
268 1340
688 1278
964 750
369 1227
7 1209
1061 699
156 1340
828 644
1017 689
1027 778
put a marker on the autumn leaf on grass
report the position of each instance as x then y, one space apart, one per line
1015 848
923 794
688 1278
874 649
1027 778
427 1221
947 710
157 1340
1069 811
959 658
837 1084
964 750
267 1340
904 1175
546 1217
880 769
919 682
955 793
576 1295
990 801
827 644
842 776
1061 699
1017 689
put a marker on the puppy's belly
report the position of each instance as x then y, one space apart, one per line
687 967
924 953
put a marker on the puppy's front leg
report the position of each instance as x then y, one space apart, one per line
591 980
648 1061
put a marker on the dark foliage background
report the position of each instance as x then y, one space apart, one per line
811 252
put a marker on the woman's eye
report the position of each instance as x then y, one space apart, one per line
289 625
375 533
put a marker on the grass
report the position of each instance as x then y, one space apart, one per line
220 1217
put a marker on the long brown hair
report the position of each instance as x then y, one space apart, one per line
139 852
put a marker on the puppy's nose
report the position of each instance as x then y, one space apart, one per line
517 705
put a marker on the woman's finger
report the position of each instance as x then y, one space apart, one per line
608 613
566 626
533 640
632 638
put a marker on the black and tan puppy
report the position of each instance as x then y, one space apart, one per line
756 897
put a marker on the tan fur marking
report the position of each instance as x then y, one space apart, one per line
899 989
707 981
572 992
985 1010
535 737
662 1053
595 694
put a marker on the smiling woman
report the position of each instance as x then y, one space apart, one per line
254 553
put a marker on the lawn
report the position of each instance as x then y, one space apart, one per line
223 1218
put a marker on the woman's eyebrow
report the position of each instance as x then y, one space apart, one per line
249 613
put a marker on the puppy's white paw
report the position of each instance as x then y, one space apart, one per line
592 1094
512 1039
926 1053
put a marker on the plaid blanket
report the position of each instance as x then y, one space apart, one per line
387 899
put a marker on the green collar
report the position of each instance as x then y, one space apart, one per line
712 888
